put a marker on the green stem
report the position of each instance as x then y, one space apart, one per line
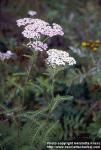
52 92
45 39
18 135
31 66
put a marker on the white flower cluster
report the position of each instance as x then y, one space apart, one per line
59 57
6 55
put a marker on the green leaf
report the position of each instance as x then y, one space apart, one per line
51 128
20 74
33 114
56 101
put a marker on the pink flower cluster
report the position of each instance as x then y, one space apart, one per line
38 45
36 28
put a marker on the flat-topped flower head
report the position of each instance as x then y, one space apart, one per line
38 45
39 27
59 58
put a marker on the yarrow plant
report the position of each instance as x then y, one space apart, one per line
36 30
24 87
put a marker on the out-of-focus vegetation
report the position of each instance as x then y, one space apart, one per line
27 121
